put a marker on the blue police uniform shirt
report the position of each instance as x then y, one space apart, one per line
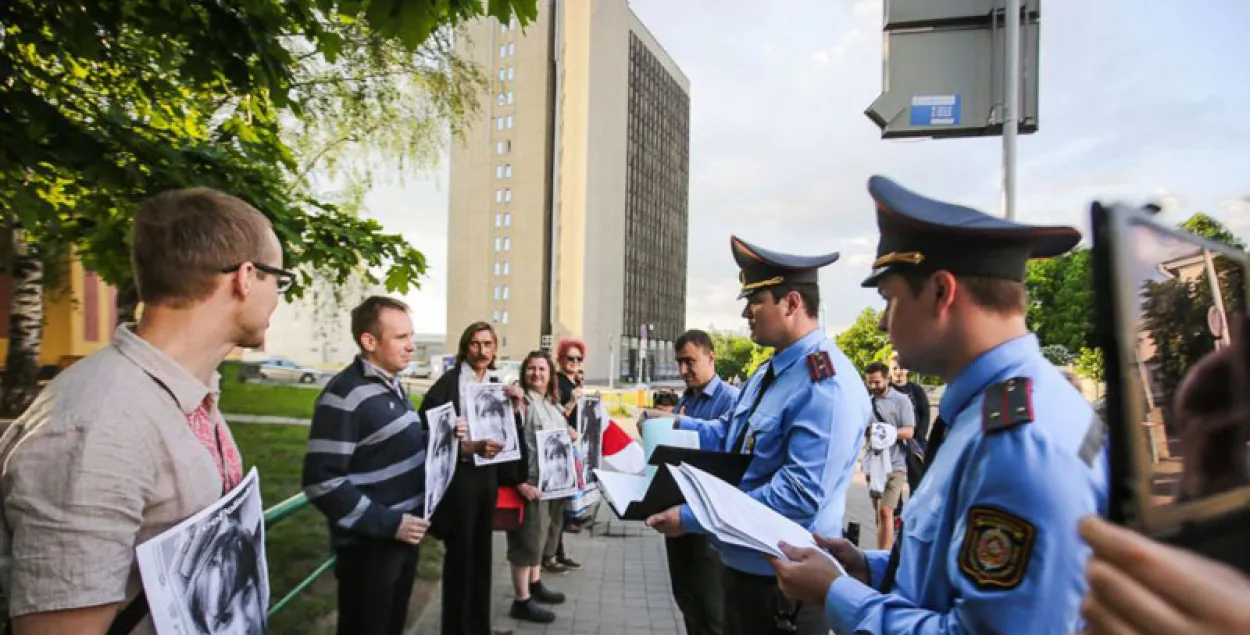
804 435
709 402
989 538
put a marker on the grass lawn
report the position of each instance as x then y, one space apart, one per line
268 399
299 544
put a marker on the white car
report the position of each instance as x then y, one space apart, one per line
417 370
280 370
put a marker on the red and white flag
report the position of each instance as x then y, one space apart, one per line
621 453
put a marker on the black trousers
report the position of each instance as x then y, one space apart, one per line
753 604
697 576
375 587
468 510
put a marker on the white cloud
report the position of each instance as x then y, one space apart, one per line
821 57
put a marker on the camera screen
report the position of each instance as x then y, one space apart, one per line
1185 298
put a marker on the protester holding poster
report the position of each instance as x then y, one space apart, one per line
542 519
133 430
365 470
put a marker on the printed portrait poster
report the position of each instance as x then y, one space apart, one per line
557 472
591 420
207 575
440 457
490 417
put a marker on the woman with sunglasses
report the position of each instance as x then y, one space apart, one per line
570 355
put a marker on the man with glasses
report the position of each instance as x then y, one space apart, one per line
132 433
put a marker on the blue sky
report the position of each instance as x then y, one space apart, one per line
1140 101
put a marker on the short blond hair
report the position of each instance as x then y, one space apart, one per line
183 239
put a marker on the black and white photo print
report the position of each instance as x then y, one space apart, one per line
590 422
207 575
490 417
440 457
557 473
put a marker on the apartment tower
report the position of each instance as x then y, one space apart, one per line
569 194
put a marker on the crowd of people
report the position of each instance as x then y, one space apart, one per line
129 442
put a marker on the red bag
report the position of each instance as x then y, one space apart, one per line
509 509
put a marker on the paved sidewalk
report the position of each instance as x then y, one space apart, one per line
622 588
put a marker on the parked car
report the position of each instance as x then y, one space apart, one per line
279 369
417 370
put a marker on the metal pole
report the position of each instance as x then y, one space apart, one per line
1218 296
1011 109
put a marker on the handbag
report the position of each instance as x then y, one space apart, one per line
509 509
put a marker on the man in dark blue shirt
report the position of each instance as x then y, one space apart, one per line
694 567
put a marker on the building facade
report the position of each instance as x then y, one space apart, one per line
569 195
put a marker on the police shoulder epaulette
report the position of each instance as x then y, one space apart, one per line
819 366
1007 404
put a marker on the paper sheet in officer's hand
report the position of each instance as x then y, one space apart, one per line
735 518
622 489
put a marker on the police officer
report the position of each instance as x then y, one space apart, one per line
801 416
1015 458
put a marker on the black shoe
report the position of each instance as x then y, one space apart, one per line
543 595
550 565
528 611
568 563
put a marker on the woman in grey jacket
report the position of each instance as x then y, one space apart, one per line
539 410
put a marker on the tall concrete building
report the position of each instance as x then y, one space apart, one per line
569 195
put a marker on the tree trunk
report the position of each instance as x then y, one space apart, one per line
21 369
127 302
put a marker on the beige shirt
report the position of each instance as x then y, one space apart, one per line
103 460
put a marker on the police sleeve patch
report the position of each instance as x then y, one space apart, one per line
1007 404
996 548
819 366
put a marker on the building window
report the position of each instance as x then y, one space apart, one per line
503 147
495 317
497 294
507 219
503 74
498 123
507 170
499 171
509 96
511 48
505 292
511 73
509 126
498 219
498 196
496 267
507 243
502 98
505 267
507 195
497 244
503 50
505 318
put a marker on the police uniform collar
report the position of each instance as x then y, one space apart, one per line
786 357
986 369
762 268
926 235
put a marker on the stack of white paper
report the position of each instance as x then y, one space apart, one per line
622 489
735 518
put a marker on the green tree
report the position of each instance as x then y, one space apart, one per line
1061 300
864 342
759 356
733 355
113 101
1089 364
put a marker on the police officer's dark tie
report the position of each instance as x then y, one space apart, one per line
764 384
936 436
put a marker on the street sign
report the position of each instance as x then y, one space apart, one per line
944 71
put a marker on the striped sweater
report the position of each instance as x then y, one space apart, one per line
365 464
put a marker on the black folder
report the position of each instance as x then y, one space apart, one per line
663 492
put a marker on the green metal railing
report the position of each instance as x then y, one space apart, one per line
277 514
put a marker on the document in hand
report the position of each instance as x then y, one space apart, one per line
635 497
735 518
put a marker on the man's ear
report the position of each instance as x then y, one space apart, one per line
945 285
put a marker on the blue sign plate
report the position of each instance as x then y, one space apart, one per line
935 110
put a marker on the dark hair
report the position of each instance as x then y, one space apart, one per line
998 295
182 239
808 291
365 316
697 337
552 389
466 337
666 398
877 367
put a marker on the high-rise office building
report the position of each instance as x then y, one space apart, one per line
569 194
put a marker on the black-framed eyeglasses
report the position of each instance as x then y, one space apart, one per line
285 278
